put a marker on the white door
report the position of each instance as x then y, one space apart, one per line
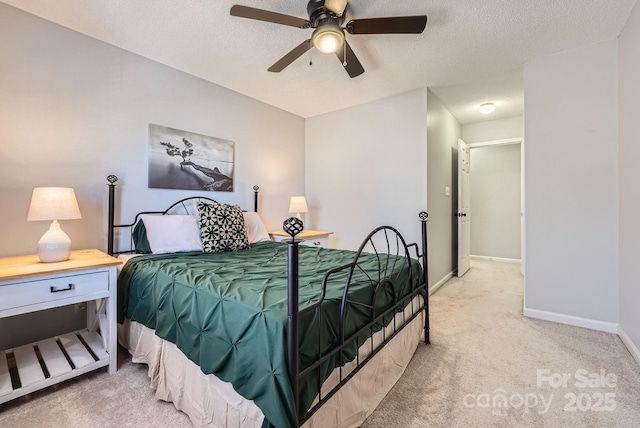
522 202
464 209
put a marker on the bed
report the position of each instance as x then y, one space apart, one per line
277 334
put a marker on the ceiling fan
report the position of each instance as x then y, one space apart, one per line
327 17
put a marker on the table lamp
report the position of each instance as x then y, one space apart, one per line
54 203
298 204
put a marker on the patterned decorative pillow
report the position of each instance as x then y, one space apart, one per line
222 228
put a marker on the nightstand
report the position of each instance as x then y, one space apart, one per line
312 238
27 285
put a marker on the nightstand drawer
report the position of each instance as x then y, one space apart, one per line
25 293
317 242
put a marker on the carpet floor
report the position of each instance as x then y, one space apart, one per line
487 366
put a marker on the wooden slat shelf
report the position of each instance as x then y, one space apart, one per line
46 362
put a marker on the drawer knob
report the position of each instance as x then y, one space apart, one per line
317 243
54 290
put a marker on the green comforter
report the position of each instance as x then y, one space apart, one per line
227 312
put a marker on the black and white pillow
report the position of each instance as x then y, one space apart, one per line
222 228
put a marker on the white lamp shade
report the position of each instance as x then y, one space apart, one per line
298 204
53 203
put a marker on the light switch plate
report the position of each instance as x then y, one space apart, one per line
447 191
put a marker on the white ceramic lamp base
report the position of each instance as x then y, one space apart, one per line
55 245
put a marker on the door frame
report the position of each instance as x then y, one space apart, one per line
464 208
507 141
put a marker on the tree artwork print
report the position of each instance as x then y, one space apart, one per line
186 160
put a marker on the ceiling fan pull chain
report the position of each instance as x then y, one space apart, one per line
310 56
344 52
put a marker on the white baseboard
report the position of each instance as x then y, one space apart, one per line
633 349
440 283
605 326
496 259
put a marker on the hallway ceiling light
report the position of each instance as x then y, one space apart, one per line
487 108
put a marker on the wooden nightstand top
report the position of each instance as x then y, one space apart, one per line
25 266
308 234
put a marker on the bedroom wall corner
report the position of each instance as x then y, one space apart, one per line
629 233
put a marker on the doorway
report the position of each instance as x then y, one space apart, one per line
496 209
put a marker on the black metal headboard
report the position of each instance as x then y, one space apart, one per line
112 179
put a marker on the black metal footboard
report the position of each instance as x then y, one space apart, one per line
390 248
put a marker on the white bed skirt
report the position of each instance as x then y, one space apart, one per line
211 402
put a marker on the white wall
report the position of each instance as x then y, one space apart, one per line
443 132
74 110
495 201
629 74
492 130
571 181
366 167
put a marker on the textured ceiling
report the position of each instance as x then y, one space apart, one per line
471 51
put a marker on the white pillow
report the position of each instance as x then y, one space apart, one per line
172 233
256 231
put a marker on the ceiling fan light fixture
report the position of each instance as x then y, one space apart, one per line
328 38
487 108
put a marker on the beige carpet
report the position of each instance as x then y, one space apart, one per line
482 350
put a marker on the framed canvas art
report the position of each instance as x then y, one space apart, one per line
186 160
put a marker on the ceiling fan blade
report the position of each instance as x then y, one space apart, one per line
352 65
268 16
336 6
393 25
293 55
